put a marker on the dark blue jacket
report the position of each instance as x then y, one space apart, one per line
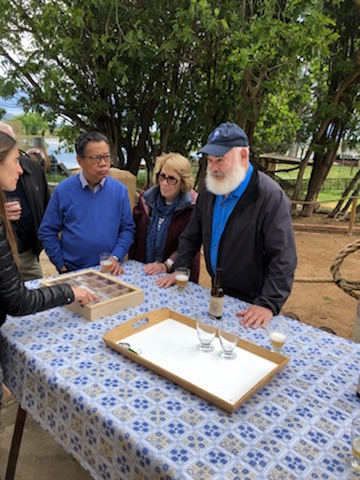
257 249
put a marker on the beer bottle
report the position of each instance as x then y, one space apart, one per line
217 296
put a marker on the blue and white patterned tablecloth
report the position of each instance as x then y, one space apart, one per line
122 421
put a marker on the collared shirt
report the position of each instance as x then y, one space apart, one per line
223 208
86 184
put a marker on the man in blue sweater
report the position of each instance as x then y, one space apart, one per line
88 213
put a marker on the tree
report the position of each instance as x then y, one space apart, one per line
337 96
160 75
33 123
274 42
124 68
102 65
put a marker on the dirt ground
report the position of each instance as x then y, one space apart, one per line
318 304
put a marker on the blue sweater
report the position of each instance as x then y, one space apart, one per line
90 223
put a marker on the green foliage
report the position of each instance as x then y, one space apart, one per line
160 75
55 178
33 123
141 180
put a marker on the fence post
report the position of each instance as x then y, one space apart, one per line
352 215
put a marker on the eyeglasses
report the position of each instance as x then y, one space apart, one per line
170 179
97 158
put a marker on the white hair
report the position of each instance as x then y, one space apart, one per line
4 127
220 183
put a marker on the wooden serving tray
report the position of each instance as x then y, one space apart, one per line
166 342
114 295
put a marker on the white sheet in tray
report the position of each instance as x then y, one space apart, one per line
173 346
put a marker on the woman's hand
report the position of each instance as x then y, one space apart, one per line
83 296
155 268
167 281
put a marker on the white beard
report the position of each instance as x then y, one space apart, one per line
224 184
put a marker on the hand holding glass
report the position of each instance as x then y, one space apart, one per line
182 276
206 334
229 336
355 443
278 332
13 208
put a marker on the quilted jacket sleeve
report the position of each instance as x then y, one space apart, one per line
15 298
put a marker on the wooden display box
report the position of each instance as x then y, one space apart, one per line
114 295
166 342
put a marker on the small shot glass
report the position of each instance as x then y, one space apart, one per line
206 334
229 337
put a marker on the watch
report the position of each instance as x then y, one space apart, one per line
168 264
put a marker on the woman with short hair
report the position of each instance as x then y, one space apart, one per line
162 213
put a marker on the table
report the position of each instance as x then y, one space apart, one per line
122 421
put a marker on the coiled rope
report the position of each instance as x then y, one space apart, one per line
348 286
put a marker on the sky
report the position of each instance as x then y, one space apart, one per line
10 106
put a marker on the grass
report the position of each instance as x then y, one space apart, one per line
333 188
336 171
55 178
330 195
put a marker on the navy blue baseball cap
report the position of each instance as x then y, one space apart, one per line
224 138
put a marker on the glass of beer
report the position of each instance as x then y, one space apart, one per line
355 443
105 262
182 276
278 332
229 336
206 333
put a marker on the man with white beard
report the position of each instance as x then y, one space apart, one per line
243 220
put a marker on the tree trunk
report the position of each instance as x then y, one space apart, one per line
315 141
139 151
349 202
297 189
200 177
346 192
170 114
251 94
166 133
322 165
323 160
